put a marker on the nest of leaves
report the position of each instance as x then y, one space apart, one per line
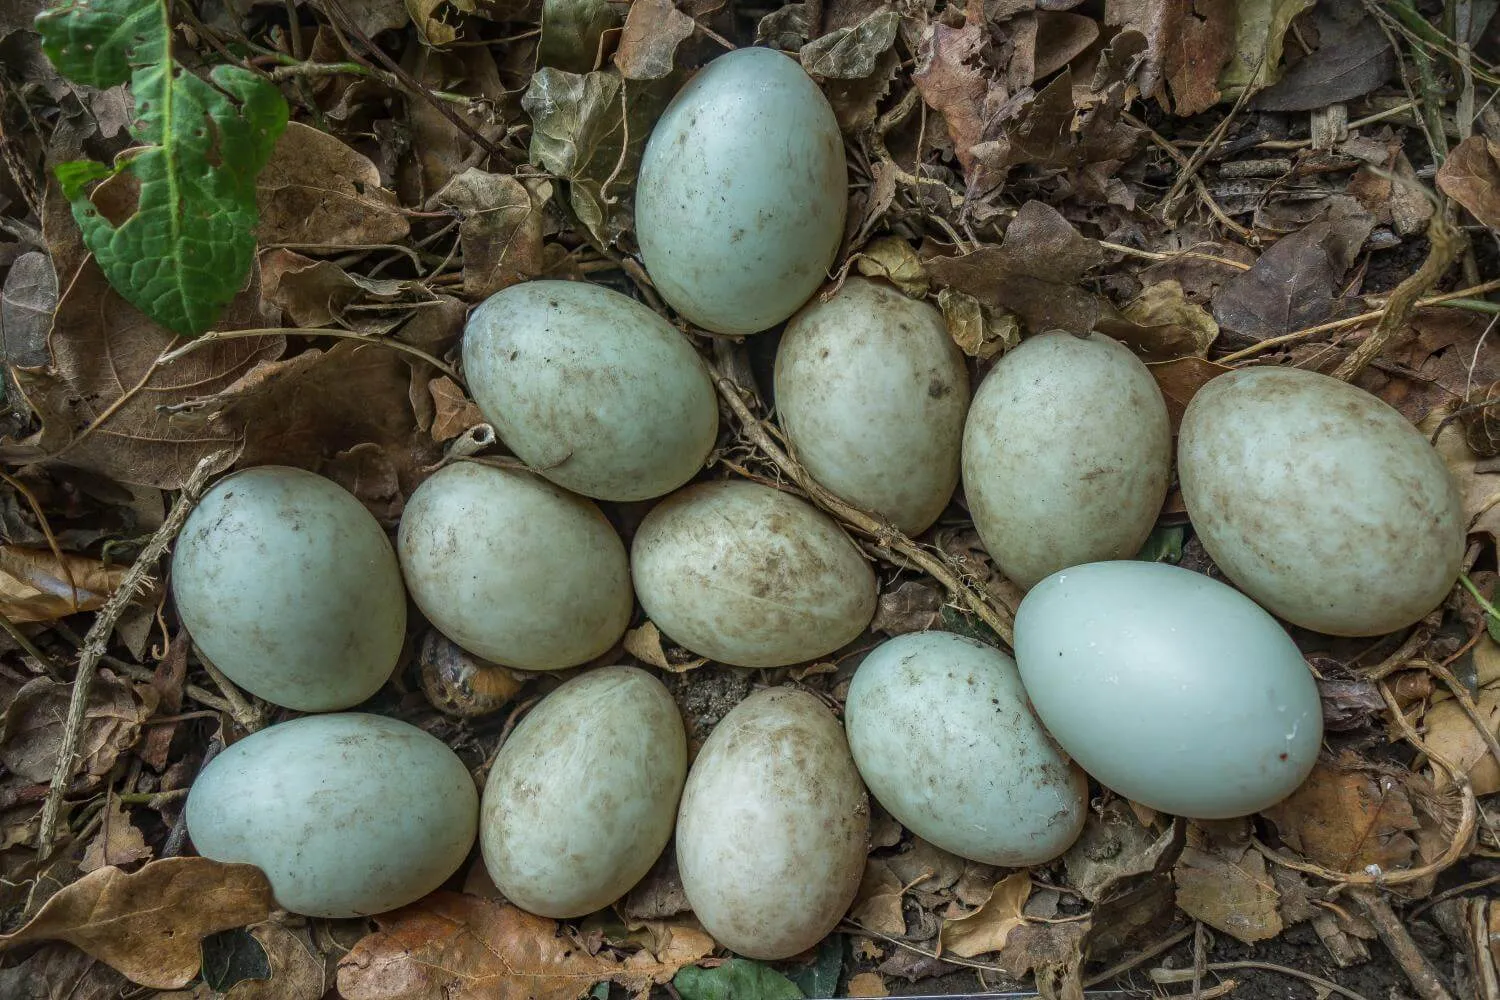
1214 184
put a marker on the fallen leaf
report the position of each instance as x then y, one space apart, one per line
571 30
1349 704
1259 37
1180 381
60 972
644 643
672 946
436 149
34 587
1113 848
1477 485
27 300
1034 273
912 606
431 18
117 843
893 259
298 970
866 984
950 78
1053 952
32 727
1227 887
979 331
1347 816
147 925
1061 37
316 191
659 895
449 946
455 411
786 28
1353 57
1453 736
877 904
501 231
648 46
987 928
1163 325
1188 43
736 979
315 293
1471 176
851 53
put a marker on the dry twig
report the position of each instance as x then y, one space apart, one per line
1399 943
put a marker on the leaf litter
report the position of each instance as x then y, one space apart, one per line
1214 184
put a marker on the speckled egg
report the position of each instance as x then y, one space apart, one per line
944 738
771 832
347 814
590 388
1067 455
1319 500
583 795
1170 688
750 576
740 201
513 568
290 587
872 392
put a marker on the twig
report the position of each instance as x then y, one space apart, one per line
1207 196
41 520
245 716
950 959
1403 654
1441 252
1177 255
1447 894
865 523
27 645
214 336
1141 957
97 640
1399 943
1189 170
1344 324
295 69
1467 704
1327 984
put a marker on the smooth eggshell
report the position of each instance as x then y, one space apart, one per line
1319 500
582 797
945 740
740 202
771 831
348 814
1171 688
1067 454
290 587
514 569
872 391
590 388
749 576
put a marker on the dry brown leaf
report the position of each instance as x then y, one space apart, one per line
316 293
866 984
148 925
317 191
1479 487
673 944
893 259
61 972
1188 43
979 331
912 606
298 970
1346 816
455 412
1114 847
987 928
1227 887
1453 736
434 19
877 905
1163 325
644 643
32 727
455 947
117 843
1180 380
1471 176
648 44
1061 36
34 587
501 231
950 78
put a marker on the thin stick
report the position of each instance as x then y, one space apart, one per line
950 959
1238 265
1467 704
1120 968
244 715
1344 324
865 523
1399 943
26 644
1327 984
97 640
41 520
214 336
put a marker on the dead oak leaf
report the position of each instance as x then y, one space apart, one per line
32 727
118 842
951 80
1187 43
987 928
1228 887
1471 176
1452 736
148 925
454 412
35 587
450 946
1347 816
315 190
644 643
877 904
648 45
501 231
1180 380
314 293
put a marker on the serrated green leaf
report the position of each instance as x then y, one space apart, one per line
736 979
185 252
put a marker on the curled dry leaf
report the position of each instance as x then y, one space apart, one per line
435 19
117 843
893 259
1260 29
35 587
317 191
31 730
987 928
648 45
1477 483
455 947
501 232
877 905
1162 325
314 293
1452 735
851 53
644 643
1188 42
148 925
950 77
979 331
454 412
912 606
1114 847
1227 886
1347 816
670 945
1471 176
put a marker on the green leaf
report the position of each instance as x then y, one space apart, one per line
571 30
185 252
736 979
820 977
1259 37
1164 544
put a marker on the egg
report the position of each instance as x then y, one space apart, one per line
871 392
514 569
590 388
1067 454
289 586
1171 688
1319 500
347 814
747 575
742 191
946 741
771 831
582 797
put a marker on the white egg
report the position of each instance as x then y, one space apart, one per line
590 388
771 832
1319 500
290 587
1067 454
582 797
944 738
872 392
1171 688
514 569
740 201
750 576
347 814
